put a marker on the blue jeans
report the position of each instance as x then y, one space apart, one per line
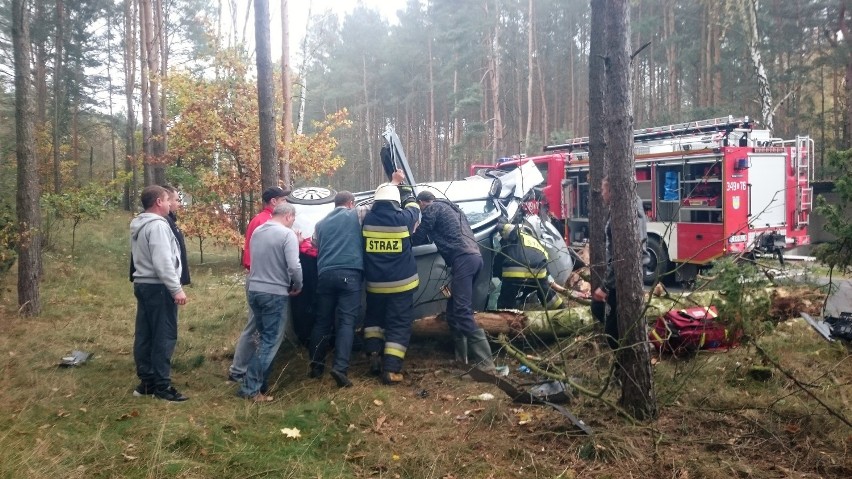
247 345
338 291
156 334
270 310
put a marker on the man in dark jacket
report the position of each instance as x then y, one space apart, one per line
446 225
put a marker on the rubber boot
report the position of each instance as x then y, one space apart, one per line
480 351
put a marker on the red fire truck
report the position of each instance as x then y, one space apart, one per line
710 188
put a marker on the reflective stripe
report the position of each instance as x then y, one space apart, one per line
530 242
399 286
374 231
555 301
395 349
374 332
523 272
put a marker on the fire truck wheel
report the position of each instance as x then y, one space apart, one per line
659 264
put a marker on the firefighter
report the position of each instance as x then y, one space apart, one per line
391 274
524 269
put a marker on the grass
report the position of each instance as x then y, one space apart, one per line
715 421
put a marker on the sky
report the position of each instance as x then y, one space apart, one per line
298 10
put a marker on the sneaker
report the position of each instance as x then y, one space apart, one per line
341 379
143 390
170 394
234 378
391 378
375 364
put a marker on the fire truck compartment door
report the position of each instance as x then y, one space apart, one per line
699 242
768 192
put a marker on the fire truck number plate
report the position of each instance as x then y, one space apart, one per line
737 186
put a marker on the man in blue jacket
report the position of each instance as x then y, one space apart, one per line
340 265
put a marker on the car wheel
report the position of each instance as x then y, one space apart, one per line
659 261
311 195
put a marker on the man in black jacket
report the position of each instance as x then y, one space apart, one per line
446 225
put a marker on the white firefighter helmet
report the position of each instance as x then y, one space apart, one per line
387 192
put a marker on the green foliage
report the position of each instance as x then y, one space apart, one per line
8 238
837 253
743 300
76 206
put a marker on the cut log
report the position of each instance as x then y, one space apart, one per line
570 321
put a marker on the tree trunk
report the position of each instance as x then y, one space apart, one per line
367 124
40 68
638 395
129 87
597 142
764 91
494 87
265 96
286 94
57 96
153 37
530 72
162 22
673 104
27 197
303 96
433 135
144 33
109 92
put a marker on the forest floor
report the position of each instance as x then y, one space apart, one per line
717 418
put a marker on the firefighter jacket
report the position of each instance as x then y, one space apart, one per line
523 255
389 265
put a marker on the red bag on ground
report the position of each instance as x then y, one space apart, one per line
691 329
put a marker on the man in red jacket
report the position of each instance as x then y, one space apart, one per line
246 344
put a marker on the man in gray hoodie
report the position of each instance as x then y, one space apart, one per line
156 285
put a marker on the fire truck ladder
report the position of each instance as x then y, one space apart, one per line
804 172
801 152
678 130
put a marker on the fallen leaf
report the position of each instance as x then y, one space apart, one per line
82 409
128 457
395 457
291 432
378 402
63 414
381 420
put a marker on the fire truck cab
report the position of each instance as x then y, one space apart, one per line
710 188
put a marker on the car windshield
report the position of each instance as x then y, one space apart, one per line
477 211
